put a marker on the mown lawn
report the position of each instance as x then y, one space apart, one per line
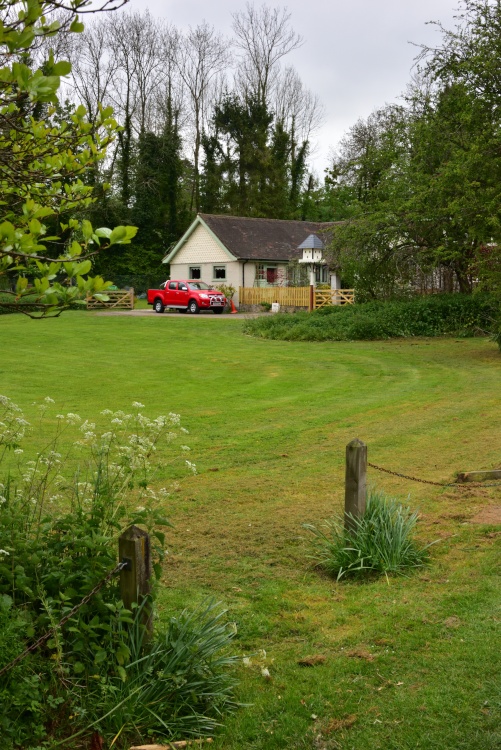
409 663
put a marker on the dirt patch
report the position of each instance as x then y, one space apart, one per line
312 661
335 725
360 654
490 516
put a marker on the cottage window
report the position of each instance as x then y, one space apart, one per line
195 272
321 274
219 273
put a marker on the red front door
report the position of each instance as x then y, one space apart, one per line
271 275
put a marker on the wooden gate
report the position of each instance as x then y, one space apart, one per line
121 299
327 297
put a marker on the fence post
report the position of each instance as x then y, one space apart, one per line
355 482
134 548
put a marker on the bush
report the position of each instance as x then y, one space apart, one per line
435 315
60 517
378 542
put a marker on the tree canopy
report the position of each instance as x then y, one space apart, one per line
423 179
46 158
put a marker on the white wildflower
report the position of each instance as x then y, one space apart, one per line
49 400
191 466
185 448
4 552
18 451
137 405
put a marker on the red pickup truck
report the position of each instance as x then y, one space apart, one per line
186 296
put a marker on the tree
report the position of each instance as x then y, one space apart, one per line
44 164
200 56
263 36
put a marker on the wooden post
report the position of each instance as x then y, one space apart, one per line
311 305
355 482
134 548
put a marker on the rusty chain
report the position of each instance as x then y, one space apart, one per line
64 620
465 486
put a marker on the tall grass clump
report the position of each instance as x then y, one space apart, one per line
177 686
380 542
435 315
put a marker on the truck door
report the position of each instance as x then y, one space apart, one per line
171 294
183 294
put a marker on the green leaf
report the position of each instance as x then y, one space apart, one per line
62 68
122 673
118 235
83 268
87 230
76 26
100 656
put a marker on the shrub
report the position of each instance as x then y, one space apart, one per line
60 516
435 315
378 542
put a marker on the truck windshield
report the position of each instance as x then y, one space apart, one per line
198 285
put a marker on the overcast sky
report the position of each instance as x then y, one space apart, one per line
357 54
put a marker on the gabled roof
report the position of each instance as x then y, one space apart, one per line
256 239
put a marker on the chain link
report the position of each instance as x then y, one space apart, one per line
456 485
64 620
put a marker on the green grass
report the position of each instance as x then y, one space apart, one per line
416 660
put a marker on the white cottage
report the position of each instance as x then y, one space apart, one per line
241 251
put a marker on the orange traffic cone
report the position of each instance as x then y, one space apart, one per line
233 308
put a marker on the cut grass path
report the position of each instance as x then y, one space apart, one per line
416 661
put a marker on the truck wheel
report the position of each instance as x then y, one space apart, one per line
193 308
158 306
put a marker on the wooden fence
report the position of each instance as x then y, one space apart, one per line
118 300
295 296
325 297
298 296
